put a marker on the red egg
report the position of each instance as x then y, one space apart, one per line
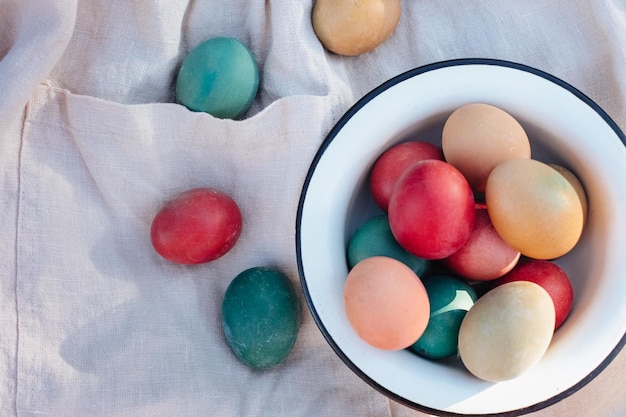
485 256
431 210
549 276
386 303
393 162
197 226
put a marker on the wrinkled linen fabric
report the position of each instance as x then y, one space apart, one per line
93 321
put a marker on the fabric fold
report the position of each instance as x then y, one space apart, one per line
109 328
33 36
93 322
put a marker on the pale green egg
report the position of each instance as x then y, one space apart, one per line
220 76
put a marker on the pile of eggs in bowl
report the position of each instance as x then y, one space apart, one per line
461 261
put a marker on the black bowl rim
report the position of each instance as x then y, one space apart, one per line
329 138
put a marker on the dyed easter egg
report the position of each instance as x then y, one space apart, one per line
348 27
534 208
393 162
476 137
220 76
578 186
260 317
551 278
450 300
374 238
485 256
386 303
198 225
431 211
507 331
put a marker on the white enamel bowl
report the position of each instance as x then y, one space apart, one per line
564 127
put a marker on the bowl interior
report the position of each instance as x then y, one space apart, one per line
564 127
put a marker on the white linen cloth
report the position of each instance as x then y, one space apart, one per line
93 321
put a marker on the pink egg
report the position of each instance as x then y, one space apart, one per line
485 256
386 303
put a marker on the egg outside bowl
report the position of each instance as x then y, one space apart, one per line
565 127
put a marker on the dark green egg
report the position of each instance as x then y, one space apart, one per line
450 299
261 317
374 238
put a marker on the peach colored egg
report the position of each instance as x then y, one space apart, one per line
534 208
476 137
578 186
386 303
507 331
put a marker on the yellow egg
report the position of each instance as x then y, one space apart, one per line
476 137
386 303
534 208
353 27
507 331
578 186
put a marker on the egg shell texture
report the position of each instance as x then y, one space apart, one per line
578 186
386 303
354 27
507 331
260 317
431 211
485 256
476 137
220 76
534 208
198 225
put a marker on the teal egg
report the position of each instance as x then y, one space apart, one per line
261 317
450 300
220 77
374 238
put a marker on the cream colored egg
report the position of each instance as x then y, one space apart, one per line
534 208
353 27
476 137
507 331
